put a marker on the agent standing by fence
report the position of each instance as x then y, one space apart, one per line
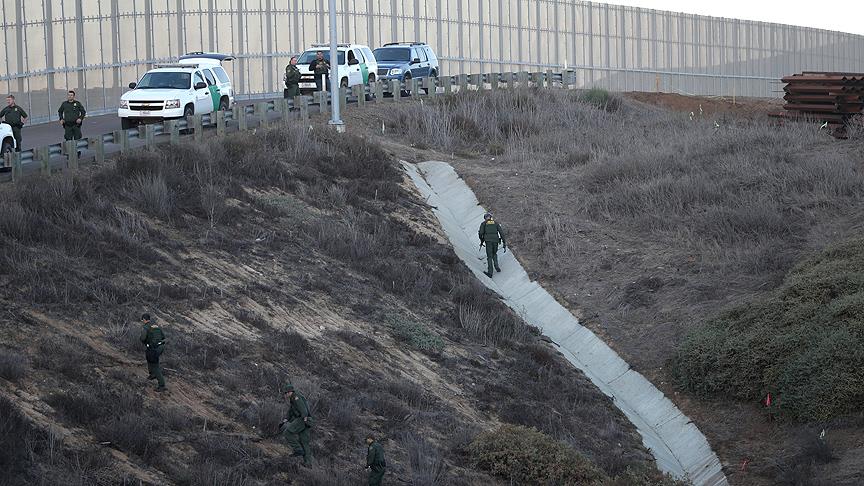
14 116
71 115
292 79
321 68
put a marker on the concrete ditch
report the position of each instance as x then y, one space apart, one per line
678 446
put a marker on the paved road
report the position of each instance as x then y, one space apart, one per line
51 133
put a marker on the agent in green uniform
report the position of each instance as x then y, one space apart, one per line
297 426
292 79
375 461
154 339
72 115
490 235
14 116
321 68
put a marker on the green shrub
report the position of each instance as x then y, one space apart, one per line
416 335
523 455
601 98
804 344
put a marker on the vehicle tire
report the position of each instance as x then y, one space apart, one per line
223 104
126 124
344 83
188 111
407 82
370 83
6 148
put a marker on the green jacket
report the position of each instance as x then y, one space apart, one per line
375 457
299 408
70 111
319 67
292 76
152 335
13 115
490 232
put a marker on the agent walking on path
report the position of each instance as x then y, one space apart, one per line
490 235
14 116
375 461
292 79
297 426
154 339
72 115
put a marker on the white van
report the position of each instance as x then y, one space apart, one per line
356 65
196 84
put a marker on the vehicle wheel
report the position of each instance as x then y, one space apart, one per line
6 148
371 82
188 111
344 83
407 82
223 104
126 124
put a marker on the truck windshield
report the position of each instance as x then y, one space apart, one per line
392 54
165 80
309 56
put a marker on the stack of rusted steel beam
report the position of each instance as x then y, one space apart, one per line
827 97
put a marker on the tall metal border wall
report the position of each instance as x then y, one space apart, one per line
99 46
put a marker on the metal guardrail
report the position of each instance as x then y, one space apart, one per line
239 115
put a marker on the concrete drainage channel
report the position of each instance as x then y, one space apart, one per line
678 446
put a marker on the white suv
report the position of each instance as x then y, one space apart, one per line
196 84
356 65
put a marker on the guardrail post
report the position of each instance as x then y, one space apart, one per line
261 113
429 86
550 79
360 93
536 78
523 79
71 148
150 137
7 159
463 82
45 160
493 81
121 138
301 103
565 79
448 85
197 123
173 131
98 149
220 123
284 108
17 171
379 91
396 89
414 86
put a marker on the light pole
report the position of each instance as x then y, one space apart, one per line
335 88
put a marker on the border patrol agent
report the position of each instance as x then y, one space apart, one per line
71 115
297 426
292 79
154 339
14 116
375 462
491 234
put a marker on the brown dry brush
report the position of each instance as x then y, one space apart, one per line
70 237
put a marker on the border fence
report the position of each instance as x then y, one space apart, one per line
98 46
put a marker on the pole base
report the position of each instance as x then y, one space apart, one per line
337 125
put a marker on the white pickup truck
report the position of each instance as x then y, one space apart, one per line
196 84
